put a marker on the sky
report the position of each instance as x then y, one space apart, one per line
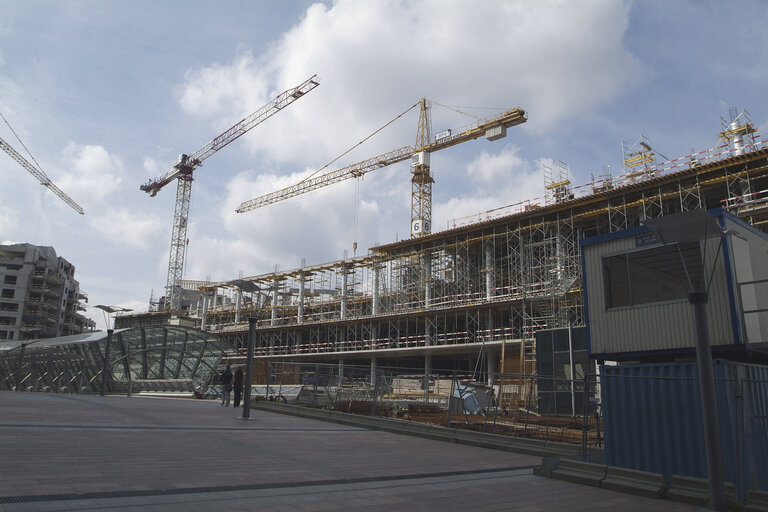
106 94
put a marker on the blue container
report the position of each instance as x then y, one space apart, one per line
652 420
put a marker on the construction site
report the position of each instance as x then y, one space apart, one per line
470 298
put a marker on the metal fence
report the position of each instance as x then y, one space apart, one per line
645 417
528 406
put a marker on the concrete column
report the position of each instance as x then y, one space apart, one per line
427 371
204 320
341 372
344 279
427 280
373 371
300 315
274 301
375 299
489 284
492 371
238 304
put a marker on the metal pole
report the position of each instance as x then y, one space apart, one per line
314 388
708 402
105 369
450 398
573 371
375 376
249 368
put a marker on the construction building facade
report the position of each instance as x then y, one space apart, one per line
473 296
39 295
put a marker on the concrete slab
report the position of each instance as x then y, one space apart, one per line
77 452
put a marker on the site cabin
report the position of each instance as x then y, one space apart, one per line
636 293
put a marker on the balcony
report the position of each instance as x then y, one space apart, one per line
43 275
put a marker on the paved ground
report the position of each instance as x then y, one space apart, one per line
72 452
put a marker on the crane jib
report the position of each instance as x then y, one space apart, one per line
237 130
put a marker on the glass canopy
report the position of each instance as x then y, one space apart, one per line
75 363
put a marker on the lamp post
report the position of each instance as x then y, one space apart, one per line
699 226
108 310
249 368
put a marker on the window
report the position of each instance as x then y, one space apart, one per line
659 274
8 293
10 279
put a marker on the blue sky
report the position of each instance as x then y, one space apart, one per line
106 94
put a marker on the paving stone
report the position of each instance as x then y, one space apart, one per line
187 455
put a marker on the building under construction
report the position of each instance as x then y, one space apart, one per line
473 296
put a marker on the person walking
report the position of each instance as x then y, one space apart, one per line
238 386
226 386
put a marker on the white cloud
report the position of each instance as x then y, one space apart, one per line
128 228
152 167
225 89
556 59
91 174
498 179
8 220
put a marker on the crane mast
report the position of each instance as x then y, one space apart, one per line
41 176
421 183
183 170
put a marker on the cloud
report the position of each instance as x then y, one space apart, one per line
91 174
556 59
129 228
9 220
495 179
225 89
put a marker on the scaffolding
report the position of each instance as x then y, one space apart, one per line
483 289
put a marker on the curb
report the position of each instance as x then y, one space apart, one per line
435 432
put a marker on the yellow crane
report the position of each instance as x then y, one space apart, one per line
493 128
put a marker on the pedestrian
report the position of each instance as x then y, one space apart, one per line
238 386
226 386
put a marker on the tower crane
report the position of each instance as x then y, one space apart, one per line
421 183
183 169
41 176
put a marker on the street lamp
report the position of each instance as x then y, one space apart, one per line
688 227
108 310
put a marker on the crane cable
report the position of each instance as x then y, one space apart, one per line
39 168
357 209
362 141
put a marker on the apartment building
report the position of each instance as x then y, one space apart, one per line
39 296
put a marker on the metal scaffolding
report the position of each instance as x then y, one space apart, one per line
488 286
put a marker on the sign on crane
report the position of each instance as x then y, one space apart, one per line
492 128
182 172
41 176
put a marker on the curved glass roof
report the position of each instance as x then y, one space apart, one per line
154 353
